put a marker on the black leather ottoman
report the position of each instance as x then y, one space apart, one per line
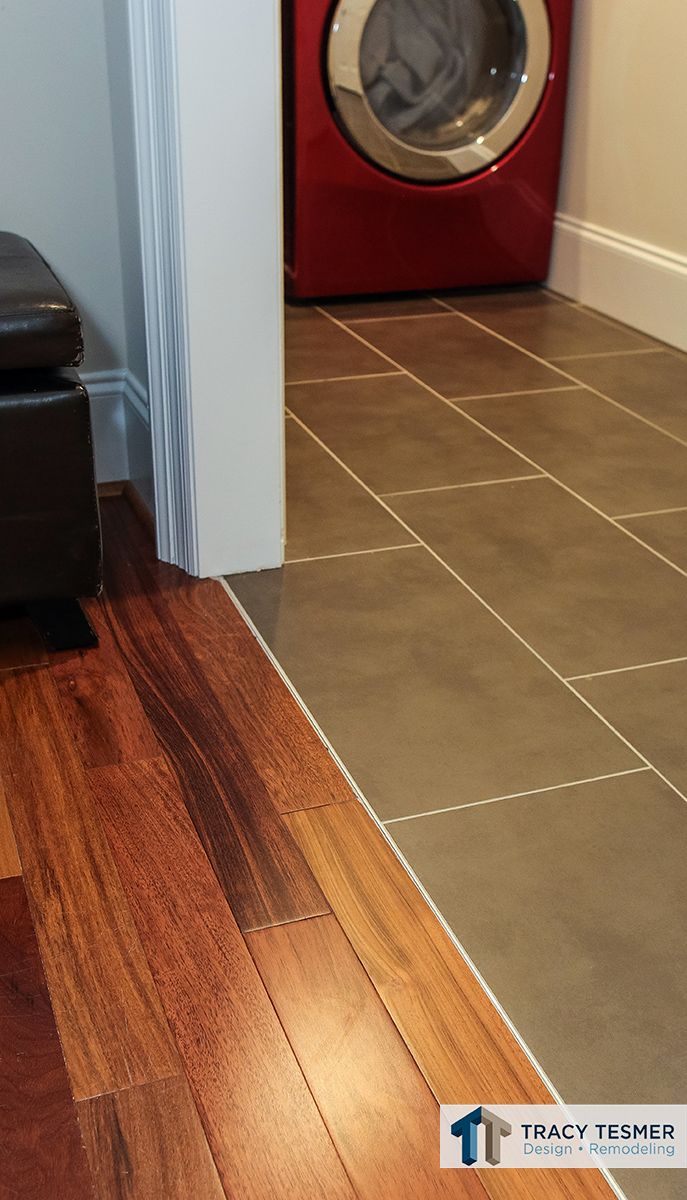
50 547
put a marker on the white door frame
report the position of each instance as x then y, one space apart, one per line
207 112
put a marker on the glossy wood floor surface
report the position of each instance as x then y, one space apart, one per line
216 979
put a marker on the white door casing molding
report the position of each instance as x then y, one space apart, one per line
207 104
153 58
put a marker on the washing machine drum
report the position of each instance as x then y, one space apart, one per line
436 90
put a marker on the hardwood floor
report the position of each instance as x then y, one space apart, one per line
100 703
462 1045
9 858
284 749
257 862
148 1142
20 644
111 1023
245 1080
361 1074
251 996
40 1146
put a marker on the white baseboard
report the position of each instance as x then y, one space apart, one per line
113 395
138 442
642 285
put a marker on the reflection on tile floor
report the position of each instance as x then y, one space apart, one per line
457 358
546 325
394 435
665 532
328 511
486 648
428 700
654 386
551 566
607 456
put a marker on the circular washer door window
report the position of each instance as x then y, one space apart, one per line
436 90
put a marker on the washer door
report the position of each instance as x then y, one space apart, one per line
437 89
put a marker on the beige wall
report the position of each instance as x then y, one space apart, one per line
625 161
620 244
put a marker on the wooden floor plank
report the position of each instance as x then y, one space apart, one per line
259 865
383 1118
18 945
21 644
461 1044
9 858
102 708
147 1143
108 1013
264 1130
296 768
41 1152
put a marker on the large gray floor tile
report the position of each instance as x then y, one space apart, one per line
396 436
327 511
545 325
666 532
584 595
573 905
316 348
651 1184
653 385
458 359
606 455
649 708
427 698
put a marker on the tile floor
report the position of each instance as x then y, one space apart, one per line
485 607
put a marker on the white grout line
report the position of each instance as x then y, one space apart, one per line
352 553
398 369
396 317
343 378
556 787
520 454
450 933
380 826
514 289
656 512
594 316
452 487
662 662
567 387
605 354
571 491
563 300
604 319
485 604
567 375
413 533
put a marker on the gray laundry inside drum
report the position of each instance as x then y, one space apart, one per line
440 73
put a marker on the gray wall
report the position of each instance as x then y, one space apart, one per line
56 151
126 182
68 183
138 448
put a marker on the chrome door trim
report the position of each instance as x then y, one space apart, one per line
379 144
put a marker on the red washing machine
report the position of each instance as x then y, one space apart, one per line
422 142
